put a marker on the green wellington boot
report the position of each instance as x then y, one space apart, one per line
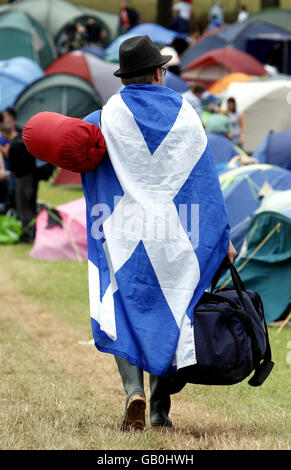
132 379
160 402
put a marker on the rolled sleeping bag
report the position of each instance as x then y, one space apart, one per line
63 141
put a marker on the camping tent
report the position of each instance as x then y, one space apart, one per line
265 260
21 35
265 104
275 149
215 64
273 16
223 83
175 82
96 71
271 49
56 15
278 201
98 51
243 190
60 93
15 75
158 34
234 35
68 178
61 234
222 148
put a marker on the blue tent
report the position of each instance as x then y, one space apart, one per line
243 190
272 49
275 149
15 75
175 83
222 148
95 50
234 35
158 34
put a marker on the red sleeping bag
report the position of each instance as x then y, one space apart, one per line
66 142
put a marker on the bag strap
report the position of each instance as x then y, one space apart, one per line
237 282
263 369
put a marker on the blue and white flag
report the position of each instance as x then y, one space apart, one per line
157 228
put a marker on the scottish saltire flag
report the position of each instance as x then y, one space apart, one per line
157 228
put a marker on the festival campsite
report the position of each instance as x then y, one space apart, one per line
59 391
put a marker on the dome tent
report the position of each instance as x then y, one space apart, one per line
61 233
234 35
158 34
60 93
55 15
243 191
222 148
260 101
213 65
85 65
223 83
275 149
21 35
273 16
15 75
265 261
68 178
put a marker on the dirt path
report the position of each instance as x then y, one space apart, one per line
196 427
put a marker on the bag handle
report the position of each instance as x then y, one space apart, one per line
237 282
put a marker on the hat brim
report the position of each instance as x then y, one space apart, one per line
140 71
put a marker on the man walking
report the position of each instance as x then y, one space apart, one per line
157 230
143 284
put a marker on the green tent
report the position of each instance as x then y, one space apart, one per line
56 15
60 93
275 16
264 262
21 35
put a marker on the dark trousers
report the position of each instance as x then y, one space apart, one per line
25 201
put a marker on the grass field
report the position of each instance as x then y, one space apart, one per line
58 394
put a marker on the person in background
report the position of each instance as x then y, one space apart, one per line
3 186
9 117
217 11
4 144
23 167
242 14
214 23
218 123
94 32
194 95
182 13
237 122
128 17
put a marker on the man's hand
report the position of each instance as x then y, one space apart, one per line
231 254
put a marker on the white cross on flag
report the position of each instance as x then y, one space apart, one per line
157 228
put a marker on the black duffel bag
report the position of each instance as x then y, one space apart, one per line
231 338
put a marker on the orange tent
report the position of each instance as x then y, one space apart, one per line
223 83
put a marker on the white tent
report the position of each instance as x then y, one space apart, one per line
266 105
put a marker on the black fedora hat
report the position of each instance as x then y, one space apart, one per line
138 55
